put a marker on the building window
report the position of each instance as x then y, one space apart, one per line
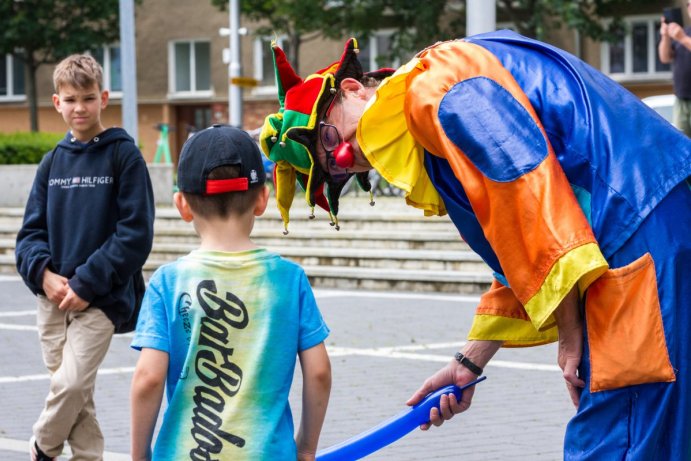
634 56
264 63
109 57
190 68
374 53
11 79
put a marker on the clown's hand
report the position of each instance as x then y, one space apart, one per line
453 373
479 352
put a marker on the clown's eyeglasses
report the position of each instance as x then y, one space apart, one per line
330 139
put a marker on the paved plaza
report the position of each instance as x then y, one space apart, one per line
382 347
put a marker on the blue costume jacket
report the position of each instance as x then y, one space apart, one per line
558 177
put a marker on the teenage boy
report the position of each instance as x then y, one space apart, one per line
220 328
87 231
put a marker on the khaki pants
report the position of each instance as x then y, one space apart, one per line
74 345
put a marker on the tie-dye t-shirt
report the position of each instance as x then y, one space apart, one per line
232 324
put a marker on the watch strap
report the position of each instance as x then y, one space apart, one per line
466 362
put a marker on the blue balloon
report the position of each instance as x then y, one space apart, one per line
390 430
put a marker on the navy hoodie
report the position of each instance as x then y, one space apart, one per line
90 220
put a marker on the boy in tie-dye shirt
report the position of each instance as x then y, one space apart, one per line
220 329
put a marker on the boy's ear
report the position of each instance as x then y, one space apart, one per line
262 202
104 98
56 102
183 207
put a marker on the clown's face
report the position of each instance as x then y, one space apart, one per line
344 115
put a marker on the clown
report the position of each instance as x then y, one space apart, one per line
571 190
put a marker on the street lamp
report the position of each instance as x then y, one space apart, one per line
234 66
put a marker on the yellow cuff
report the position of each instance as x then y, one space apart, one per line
514 332
581 266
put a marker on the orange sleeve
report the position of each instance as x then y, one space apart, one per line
532 220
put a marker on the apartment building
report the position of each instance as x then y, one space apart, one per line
183 80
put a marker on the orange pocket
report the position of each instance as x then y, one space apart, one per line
625 333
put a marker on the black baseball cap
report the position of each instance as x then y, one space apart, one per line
219 145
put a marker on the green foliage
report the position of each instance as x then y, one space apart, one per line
48 30
41 32
26 148
536 18
419 23
299 20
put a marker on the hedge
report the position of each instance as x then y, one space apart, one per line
22 148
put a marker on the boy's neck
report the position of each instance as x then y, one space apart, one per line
85 137
225 234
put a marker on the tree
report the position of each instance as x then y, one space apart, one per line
41 32
419 23
535 18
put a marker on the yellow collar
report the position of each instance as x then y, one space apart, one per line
389 147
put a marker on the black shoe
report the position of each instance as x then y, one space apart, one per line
35 452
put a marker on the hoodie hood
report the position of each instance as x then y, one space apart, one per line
104 138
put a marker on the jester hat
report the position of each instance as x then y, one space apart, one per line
289 137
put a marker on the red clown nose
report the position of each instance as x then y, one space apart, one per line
343 155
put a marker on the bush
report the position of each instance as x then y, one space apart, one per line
26 148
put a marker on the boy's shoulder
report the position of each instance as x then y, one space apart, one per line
223 262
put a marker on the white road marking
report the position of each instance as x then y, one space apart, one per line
399 353
46 376
15 327
18 313
325 293
22 446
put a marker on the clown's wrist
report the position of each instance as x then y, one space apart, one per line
467 363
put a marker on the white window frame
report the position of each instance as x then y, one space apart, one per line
11 96
105 49
374 53
628 74
193 93
260 50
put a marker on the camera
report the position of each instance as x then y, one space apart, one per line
673 15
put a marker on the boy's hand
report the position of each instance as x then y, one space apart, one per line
54 286
72 302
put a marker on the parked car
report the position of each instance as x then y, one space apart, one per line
662 104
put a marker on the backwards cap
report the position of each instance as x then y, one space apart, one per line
289 136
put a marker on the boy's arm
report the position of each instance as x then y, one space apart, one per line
316 387
32 250
146 394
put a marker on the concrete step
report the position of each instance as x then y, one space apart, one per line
398 239
300 221
386 247
386 259
354 257
365 278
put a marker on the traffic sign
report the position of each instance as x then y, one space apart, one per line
247 82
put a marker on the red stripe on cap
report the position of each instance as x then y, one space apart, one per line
219 186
